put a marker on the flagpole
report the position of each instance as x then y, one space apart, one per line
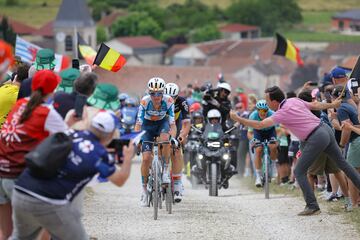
75 43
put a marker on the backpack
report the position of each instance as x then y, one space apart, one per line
49 156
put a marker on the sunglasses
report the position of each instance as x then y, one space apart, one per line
262 110
156 94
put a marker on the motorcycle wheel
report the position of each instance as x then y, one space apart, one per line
213 189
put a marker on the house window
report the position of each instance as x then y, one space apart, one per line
68 43
244 34
341 25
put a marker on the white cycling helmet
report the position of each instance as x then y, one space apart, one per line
172 89
213 113
225 86
156 84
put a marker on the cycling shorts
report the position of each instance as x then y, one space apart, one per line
262 135
153 129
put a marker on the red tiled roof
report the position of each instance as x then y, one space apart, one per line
108 20
46 30
20 28
345 49
133 79
230 64
215 47
141 42
349 62
174 49
236 27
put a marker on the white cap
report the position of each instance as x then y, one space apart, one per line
105 121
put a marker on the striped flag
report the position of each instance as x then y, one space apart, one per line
109 59
286 48
27 52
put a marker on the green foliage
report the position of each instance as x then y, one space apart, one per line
152 9
136 24
6 32
268 14
205 33
101 35
11 2
98 9
176 35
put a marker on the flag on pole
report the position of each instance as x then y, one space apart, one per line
286 48
27 52
109 59
86 52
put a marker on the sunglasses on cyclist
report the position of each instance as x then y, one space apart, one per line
156 94
262 110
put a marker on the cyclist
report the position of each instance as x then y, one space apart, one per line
257 136
156 117
182 118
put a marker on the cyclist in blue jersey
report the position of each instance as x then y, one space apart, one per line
182 119
156 117
260 135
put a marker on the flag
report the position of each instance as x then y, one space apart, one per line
286 48
109 59
86 52
27 52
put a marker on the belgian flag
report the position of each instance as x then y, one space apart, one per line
286 48
109 59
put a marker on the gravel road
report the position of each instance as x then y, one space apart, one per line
238 213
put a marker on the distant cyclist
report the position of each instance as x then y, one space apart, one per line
182 118
257 136
156 117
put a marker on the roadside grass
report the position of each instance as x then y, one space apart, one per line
334 208
330 5
307 36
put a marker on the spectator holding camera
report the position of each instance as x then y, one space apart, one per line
47 203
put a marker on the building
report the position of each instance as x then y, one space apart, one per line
147 49
238 31
19 28
347 22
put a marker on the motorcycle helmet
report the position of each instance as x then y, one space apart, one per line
123 96
156 84
261 104
214 114
225 86
130 102
172 89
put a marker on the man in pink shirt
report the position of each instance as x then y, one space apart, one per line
315 138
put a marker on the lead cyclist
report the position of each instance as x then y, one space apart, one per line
182 118
156 117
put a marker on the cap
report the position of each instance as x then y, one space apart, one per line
338 72
68 77
6 56
46 80
45 59
105 97
105 121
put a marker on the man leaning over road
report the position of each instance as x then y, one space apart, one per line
315 138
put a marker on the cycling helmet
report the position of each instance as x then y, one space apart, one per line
195 107
123 96
172 89
156 84
225 86
261 104
213 113
131 101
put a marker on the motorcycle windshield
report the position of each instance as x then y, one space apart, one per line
128 115
213 132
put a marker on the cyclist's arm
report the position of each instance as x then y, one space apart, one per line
186 125
140 118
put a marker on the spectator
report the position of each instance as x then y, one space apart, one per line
45 59
295 115
29 122
83 84
47 203
243 149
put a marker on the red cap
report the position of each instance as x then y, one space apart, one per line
6 56
195 107
46 80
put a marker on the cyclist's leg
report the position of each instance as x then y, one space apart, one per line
258 165
165 149
177 166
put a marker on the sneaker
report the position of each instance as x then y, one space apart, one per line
332 197
348 205
177 196
166 178
309 211
144 199
258 182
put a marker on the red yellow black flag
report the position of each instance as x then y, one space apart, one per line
286 48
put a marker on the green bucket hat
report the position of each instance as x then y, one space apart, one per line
105 97
239 90
68 77
45 59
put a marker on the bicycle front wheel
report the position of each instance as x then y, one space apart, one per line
155 196
266 187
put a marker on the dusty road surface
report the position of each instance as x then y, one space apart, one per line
238 213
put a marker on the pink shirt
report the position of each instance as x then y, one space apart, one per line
295 115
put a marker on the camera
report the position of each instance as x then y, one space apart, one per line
354 83
115 147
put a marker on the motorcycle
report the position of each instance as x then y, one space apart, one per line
213 161
191 148
128 119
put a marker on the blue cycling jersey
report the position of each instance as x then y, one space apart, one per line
147 110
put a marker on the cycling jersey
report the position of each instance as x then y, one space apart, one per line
147 110
88 157
181 109
255 116
265 133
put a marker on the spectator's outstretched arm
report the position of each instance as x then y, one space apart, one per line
120 176
267 122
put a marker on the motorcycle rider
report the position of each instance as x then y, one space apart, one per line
182 121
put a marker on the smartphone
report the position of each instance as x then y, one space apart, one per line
313 84
354 85
80 102
76 64
116 146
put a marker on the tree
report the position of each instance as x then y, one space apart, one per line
136 24
11 2
101 35
174 36
99 9
205 33
6 32
152 9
